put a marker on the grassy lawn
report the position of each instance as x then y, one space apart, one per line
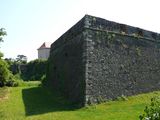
3 93
32 102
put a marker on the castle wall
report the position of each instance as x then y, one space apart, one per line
66 70
120 65
98 60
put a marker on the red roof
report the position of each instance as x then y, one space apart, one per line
45 45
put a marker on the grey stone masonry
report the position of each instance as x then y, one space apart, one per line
98 60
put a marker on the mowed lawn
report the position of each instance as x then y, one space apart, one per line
32 102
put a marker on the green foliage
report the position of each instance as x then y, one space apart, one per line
6 77
4 72
10 61
122 98
3 92
44 80
22 83
110 38
49 71
1 55
21 59
12 83
138 51
35 70
100 99
2 33
152 111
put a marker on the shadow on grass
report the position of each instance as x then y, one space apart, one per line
39 100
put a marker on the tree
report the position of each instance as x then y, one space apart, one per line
10 61
1 55
21 59
4 72
2 33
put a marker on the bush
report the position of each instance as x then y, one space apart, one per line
12 81
6 77
4 72
152 111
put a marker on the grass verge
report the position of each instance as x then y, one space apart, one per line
37 103
4 93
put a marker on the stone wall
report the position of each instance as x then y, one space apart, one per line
66 67
121 66
98 60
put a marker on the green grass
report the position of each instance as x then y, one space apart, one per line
3 93
36 103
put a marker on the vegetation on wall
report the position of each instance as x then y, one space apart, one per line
35 70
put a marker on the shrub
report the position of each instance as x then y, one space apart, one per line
12 81
6 77
152 111
4 72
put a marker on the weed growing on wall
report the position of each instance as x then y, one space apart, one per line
138 51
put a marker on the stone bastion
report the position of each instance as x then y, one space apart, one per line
98 60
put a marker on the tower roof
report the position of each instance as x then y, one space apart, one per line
45 45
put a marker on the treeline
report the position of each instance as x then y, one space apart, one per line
31 71
34 70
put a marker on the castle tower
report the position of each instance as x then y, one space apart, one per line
44 50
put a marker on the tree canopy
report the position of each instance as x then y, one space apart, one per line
21 59
2 33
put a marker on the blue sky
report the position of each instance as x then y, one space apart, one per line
29 23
